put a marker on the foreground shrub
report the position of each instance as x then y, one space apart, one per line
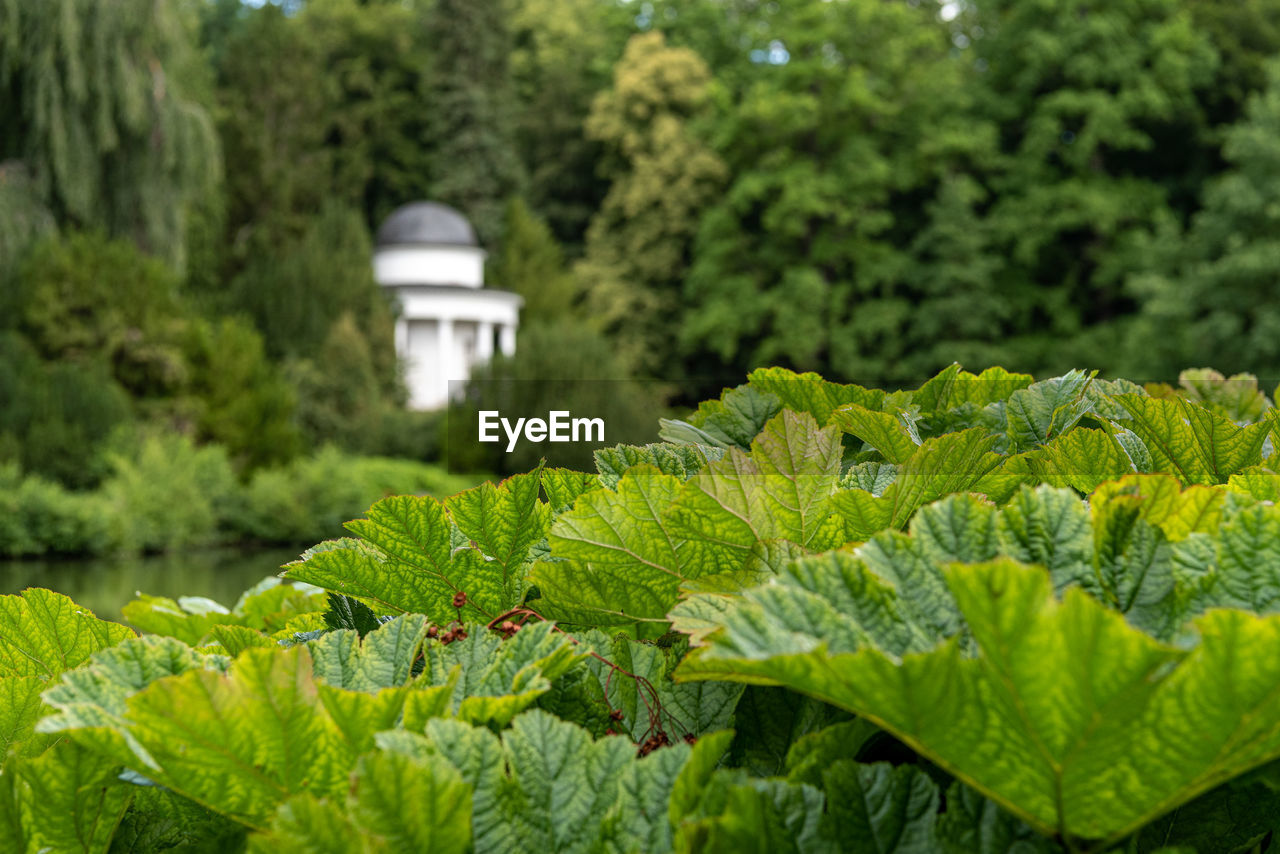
988 614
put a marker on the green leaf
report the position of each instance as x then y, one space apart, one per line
621 560
43 633
159 820
881 430
1047 409
347 613
872 477
500 678
732 421
549 787
1236 397
1236 816
504 522
306 825
993 385
1132 562
1049 527
1165 503
781 490
621 556
954 462
238 744
20 708
159 615
396 803
973 824
879 809
679 460
1072 685
1194 443
236 639
96 696
741 814
382 659
1082 459
639 685
563 486
1248 560
770 724
810 393
956 528
268 606
71 798
935 394
407 562
1259 483
640 821
811 754
705 757
413 805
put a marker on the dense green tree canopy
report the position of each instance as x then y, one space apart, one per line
106 104
870 189
837 156
476 167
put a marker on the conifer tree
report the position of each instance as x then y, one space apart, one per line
476 166
532 264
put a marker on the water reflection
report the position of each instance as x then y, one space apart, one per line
105 585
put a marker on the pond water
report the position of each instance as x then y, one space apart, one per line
105 585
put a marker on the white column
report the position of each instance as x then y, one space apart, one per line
507 339
484 342
446 363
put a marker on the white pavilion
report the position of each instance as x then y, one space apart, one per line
428 259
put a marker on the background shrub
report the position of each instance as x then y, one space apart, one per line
171 494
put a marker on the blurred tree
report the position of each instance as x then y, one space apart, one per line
1246 34
88 299
296 290
55 416
375 52
328 104
664 176
23 221
476 167
564 52
104 101
276 103
1218 300
849 239
732 36
1100 135
241 400
339 397
532 264
562 366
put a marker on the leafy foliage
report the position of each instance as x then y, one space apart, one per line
985 614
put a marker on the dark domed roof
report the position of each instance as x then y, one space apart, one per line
429 223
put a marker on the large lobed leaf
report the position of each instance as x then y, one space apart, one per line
621 555
42 635
417 554
1079 723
